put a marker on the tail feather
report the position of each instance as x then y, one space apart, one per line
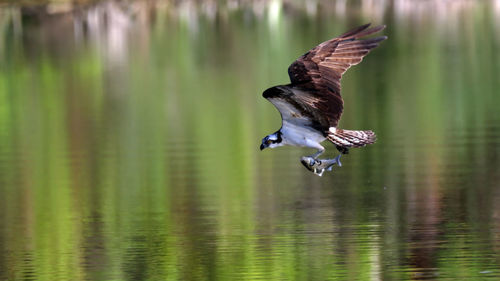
348 138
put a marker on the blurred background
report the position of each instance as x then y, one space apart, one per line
130 133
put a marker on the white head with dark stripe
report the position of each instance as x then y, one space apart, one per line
272 141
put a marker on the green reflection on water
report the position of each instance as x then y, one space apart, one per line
129 146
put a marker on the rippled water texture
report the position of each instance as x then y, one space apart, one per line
130 133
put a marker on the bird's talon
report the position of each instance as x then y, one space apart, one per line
321 173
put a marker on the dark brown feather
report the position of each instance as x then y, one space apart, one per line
296 109
319 71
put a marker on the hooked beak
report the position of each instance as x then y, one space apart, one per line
262 147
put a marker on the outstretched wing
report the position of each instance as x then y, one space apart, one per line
319 71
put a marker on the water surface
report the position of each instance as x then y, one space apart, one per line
130 132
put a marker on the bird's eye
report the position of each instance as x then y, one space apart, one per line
269 141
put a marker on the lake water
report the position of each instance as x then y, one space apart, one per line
130 133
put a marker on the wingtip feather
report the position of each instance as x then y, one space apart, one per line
354 31
369 31
362 31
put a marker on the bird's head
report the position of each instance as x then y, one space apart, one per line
272 141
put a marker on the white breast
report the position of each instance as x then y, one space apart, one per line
297 135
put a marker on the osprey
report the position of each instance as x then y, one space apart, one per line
311 105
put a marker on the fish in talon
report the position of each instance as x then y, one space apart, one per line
319 166
327 164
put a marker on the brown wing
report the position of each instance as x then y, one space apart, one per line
295 107
319 71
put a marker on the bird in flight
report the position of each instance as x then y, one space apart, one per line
311 105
